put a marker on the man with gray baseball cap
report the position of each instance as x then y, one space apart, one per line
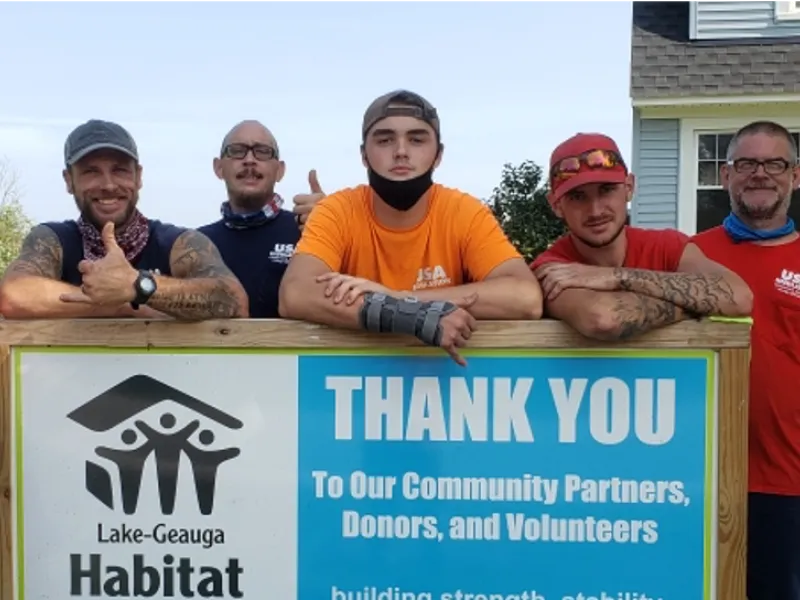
404 254
113 261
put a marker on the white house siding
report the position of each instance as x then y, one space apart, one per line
656 163
740 21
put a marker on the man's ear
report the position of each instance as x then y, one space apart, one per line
217 167
630 185
281 171
363 151
555 205
438 160
68 180
724 175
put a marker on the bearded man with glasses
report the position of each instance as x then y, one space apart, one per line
611 281
758 240
256 236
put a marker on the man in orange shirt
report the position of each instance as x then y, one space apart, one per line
611 281
404 254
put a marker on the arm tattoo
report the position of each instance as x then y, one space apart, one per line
41 255
637 314
194 255
204 287
696 293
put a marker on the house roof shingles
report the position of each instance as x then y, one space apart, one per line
666 64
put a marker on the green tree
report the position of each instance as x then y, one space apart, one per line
520 205
14 224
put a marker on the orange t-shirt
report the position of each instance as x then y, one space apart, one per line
459 241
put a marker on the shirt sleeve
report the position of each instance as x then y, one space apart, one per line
554 254
324 235
486 245
675 246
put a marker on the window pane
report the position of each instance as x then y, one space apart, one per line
723 141
707 173
794 208
707 147
714 205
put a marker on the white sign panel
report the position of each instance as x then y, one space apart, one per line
154 475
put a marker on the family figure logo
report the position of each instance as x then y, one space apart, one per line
121 404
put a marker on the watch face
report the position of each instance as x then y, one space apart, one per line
148 286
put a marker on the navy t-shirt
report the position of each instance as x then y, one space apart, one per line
155 255
258 257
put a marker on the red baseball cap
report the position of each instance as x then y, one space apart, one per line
577 145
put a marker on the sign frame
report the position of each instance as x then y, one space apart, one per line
711 463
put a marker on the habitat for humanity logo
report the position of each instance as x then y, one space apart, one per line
121 404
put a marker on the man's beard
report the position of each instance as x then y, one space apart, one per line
759 213
603 244
250 202
85 210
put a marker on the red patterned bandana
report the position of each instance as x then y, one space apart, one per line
132 239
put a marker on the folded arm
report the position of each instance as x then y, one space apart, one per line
31 286
201 286
510 291
701 286
302 298
612 316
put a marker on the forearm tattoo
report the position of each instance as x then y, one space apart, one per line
207 288
637 314
696 293
41 254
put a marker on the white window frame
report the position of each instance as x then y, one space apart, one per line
690 131
787 11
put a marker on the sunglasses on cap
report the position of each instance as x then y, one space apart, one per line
592 159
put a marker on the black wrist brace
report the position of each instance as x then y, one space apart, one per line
385 314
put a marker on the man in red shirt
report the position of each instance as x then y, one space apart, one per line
758 240
611 281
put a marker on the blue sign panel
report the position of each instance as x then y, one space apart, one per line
518 478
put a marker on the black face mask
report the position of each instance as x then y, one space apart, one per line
400 195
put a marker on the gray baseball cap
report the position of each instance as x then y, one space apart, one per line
400 102
98 135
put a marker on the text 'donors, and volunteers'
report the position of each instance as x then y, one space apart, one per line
514 526
521 468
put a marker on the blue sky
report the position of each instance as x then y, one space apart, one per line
510 80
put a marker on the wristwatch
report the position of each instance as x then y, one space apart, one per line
144 286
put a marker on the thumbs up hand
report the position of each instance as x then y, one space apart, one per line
110 240
108 281
304 203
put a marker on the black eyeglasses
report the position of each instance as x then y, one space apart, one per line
772 166
260 151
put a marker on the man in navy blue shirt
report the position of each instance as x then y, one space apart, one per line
256 235
113 261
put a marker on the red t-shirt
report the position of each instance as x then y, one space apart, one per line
652 249
773 273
